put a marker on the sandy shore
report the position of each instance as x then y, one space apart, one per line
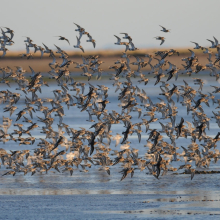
109 58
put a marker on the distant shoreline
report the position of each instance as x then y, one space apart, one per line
107 52
109 57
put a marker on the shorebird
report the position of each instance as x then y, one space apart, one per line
81 30
11 32
27 54
160 38
47 50
63 38
91 40
118 40
78 45
126 171
197 45
127 37
132 48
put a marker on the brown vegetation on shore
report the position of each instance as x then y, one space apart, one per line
13 58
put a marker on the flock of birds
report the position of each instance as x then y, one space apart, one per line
66 149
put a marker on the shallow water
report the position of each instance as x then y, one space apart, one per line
85 194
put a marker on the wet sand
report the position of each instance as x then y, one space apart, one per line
95 195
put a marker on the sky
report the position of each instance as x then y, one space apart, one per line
42 20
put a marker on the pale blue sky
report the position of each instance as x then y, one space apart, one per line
42 20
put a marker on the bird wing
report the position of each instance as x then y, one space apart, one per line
78 41
119 39
192 53
89 36
67 41
27 49
195 43
126 35
33 73
216 41
162 27
58 48
82 49
77 25
47 48
162 42
211 42
4 53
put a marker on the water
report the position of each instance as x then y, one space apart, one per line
141 195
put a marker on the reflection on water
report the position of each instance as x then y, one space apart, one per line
173 205
98 182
